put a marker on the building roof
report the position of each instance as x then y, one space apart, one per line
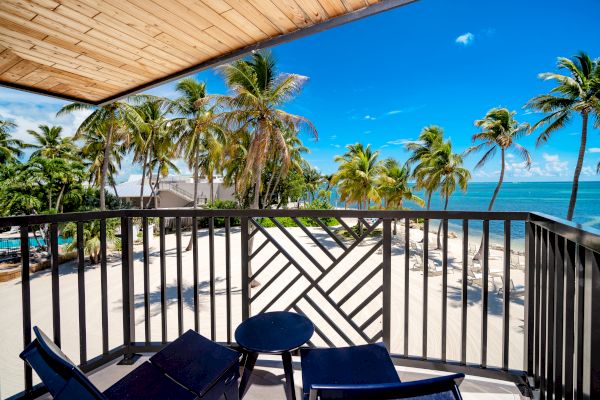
96 51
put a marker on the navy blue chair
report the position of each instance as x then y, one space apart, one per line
366 372
204 370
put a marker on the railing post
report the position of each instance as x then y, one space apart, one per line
528 349
128 290
245 270
387 277
591 326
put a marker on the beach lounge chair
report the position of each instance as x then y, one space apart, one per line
515 261
515 290
366 372
191 367
433 268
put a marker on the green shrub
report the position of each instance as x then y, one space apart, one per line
220 221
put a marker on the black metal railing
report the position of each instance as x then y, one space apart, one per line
357 287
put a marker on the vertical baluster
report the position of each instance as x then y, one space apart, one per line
228 275
26 300
163 279
559 251
81 294
195 266
464 293
506 296
444 286
55 283
484 294
425 282
244 259
179 277
579 321
529 309
387 278
550 317
211 245
591 327
569 321
406 281
146 250
128 288
543 312
538 306
104 286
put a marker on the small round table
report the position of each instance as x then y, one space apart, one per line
278 332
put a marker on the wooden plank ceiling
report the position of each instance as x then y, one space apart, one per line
97 50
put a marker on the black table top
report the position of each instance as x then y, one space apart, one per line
274 332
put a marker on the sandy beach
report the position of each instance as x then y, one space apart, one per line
11 370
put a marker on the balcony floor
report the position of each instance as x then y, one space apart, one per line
268 379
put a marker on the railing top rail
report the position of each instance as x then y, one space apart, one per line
187 212
584 236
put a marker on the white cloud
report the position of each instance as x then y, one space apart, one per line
332 137
337 146
510 156
370 117
550 157
399 141
393 112
465 39
594 149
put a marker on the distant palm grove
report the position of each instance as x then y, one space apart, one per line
246 136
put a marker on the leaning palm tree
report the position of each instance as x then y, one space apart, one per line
115 116
578 92
499 130
445 170
422 149
49 143
10 149
394 188
163 153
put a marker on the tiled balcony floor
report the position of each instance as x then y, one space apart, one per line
268 379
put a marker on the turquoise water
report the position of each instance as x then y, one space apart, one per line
546 197
16 242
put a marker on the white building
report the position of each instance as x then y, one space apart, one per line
174 191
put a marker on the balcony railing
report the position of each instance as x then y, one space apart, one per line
535 323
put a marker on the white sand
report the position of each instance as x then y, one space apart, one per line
11 370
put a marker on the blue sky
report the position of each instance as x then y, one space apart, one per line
382 79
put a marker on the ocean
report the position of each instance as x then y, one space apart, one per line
546 197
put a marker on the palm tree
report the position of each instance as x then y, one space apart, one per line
153 112
445 170
499 130
92 152
115 116
91 237
357 175
10 149
49 143
422 149
578 92
394 187
258 92
163 152
312 180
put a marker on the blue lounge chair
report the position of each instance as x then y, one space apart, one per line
192 367
366 372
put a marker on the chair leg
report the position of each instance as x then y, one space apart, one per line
290 389
250 361
232 393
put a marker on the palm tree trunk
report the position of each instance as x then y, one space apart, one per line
60 196
212 190
105 162
150 174
255 206
439 243
500 180
578 167
156 190
144 166
496 191
194 206
429 193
